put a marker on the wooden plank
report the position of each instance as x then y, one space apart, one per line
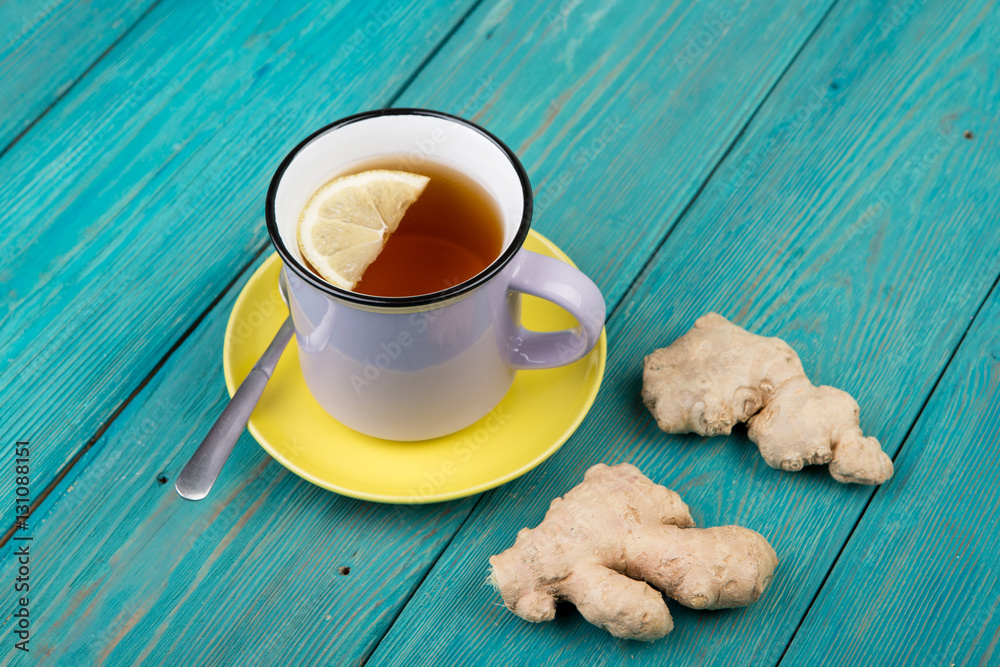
46 45
124 571
856 220
139 197
918 581
619 112
144 533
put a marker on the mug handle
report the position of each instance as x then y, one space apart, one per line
568 288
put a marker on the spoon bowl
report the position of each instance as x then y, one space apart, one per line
201 471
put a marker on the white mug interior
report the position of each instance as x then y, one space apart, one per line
414 139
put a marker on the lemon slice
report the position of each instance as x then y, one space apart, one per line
345 225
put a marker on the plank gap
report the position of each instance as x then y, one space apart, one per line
432 54
621 302
722 158
430 568
58 98
639 274
65 470
906 438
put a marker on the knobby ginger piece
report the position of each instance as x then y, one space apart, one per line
717 375
610 540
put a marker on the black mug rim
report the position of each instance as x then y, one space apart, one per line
484 276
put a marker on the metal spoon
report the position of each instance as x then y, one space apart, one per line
200 473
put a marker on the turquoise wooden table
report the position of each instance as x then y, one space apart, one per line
827 172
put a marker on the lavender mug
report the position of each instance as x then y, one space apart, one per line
413 368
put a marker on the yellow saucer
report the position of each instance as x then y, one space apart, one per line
541 410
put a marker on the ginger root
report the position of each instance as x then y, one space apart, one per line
613 532
717 375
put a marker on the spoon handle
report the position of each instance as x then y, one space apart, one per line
201 471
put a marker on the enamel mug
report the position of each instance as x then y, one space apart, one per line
413 368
